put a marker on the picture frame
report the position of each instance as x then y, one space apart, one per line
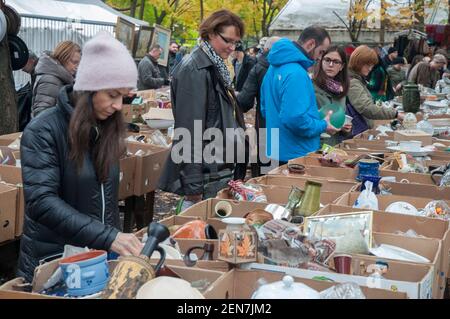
338 225
125 33
162 36
143 41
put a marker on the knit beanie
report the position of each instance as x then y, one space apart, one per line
105 64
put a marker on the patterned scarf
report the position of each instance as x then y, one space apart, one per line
333 86
218 63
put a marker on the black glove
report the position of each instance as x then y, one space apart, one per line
166 82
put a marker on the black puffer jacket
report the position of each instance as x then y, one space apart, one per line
62 206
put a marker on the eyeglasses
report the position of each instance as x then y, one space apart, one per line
331 61
229 42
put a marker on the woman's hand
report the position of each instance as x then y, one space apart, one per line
126 245
347 128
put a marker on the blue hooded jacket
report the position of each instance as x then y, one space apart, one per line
288 102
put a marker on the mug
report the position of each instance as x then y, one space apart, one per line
343 263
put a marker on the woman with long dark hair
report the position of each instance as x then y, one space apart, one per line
70 161
202 93
331 83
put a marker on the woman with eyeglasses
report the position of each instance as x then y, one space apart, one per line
331 84
361 105
203 99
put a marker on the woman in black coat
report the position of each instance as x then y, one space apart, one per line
202 99
70 162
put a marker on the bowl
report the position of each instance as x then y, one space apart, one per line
85 273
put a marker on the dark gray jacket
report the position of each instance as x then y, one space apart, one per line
149 74
61 205
251 90
198 94
51 76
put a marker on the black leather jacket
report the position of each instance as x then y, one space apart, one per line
198 94
62 206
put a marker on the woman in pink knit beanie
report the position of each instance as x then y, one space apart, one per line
70 161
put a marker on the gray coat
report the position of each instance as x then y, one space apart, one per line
149 74
51 76
359 96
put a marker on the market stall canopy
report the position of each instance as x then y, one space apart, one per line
299 14
85 10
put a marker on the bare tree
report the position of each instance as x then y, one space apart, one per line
270 8
356 18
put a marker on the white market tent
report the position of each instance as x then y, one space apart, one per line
299 14
85 10
45 23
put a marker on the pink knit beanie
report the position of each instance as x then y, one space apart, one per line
105 64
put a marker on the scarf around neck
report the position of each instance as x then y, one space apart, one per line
218 63
333 86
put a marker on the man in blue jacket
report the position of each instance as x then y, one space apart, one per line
288 101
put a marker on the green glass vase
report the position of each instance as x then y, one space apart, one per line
311 199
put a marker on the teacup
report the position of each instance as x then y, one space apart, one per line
348 120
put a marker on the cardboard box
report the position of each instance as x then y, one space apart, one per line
419 190
127 177
280 194
393 164
413 135
394 223
7 139
8 206
375 134
147 94
205 209
373 146
13 175
413 178
328 185
427 247
306 161
148 167
241 284
416 280
349 199
12 289
331 173
158 114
